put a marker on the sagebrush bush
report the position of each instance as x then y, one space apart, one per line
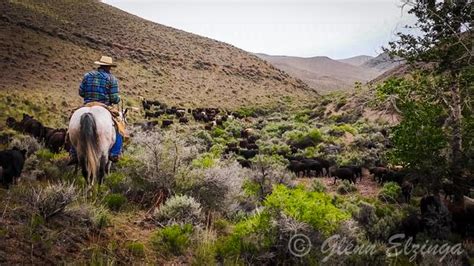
52 199
180 209
318 186
217 188
303 139
115 201
268 171
313 208
346 187
26 142
172 239
390 192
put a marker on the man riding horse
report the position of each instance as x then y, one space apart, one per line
100 87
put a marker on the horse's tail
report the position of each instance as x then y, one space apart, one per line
88 145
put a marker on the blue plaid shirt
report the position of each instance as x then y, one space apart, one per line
99 86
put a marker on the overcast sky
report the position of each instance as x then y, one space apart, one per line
334 28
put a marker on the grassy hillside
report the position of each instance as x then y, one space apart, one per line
47 46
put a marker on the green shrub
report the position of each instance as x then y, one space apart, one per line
115 181
205 160
115 201
251 236
390 192
303 139
339 130
318 186
136 249
173 239
314 208
346 187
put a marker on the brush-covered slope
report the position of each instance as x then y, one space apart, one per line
322 73
48 45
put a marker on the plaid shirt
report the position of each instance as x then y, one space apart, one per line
99 86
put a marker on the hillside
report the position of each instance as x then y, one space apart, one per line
47 46
356 60
322 73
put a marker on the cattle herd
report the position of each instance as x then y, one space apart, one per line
210 116
54 139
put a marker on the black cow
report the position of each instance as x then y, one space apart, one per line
312 165
166 123
356 169
296 167
183 120
407 188
56 140
378 173
248 154
32 126
324 163
12 162
412 225
343 174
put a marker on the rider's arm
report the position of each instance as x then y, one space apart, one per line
114 91
83 86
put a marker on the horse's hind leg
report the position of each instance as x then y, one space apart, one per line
102 169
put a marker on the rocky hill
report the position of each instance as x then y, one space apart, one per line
47 46
356 60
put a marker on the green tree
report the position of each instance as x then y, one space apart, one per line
441 51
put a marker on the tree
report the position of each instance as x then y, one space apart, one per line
444 49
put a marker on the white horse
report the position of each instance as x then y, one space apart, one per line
92 134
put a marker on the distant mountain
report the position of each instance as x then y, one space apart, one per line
356 60
382 63
323 73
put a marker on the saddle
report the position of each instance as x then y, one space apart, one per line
119 123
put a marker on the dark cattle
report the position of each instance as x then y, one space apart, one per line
324 163
243 143
146 105
32 126
171 111
166 123
296 167
209 126
244 163
412 225
462 213
252 139
407 188
57 140
12 123
232 145
248 154
180 113
231 149
449 191
430 202
312 165
378 173
183 120
356 169
47 133
245 133
343 174
12 162
394 176
252 146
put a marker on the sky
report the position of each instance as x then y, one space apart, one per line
335 28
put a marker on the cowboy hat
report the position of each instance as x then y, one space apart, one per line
105 61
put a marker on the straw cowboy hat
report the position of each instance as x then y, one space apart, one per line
105 61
